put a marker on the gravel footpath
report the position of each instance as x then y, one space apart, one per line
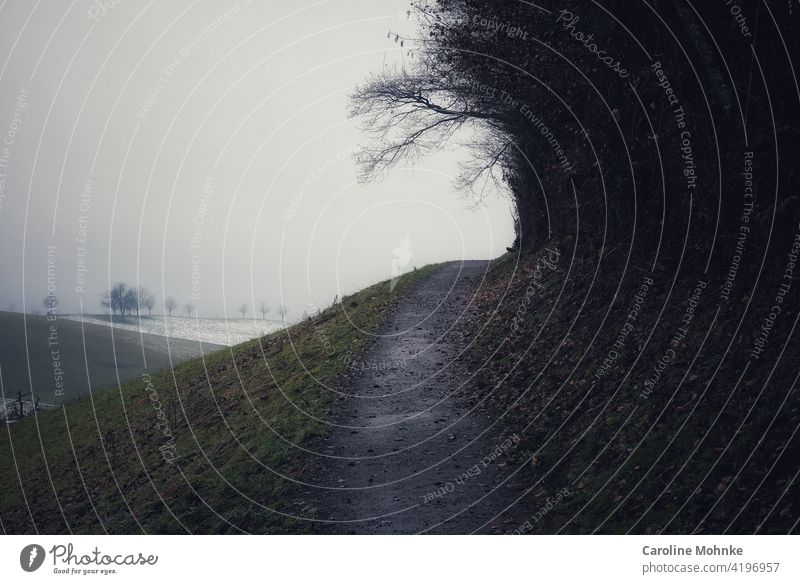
406 454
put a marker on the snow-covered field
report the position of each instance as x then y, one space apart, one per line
219 331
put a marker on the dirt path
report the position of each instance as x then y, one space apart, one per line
407 455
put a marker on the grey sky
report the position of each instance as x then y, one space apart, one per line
209 139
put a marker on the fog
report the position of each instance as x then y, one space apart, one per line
203 150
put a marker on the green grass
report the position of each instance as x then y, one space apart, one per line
110 355
234 417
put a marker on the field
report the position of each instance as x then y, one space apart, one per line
72 360
218 331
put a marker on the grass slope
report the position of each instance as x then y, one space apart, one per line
204 448
609 444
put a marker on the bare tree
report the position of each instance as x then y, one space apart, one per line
189 308
149 303
11 307
50 303
264 310
283 310
410 115
135 299
127 299
131 301
105 301
243 309
452 90
170 304
144 299
116 299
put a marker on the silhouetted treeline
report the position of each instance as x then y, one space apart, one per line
632 119
123 299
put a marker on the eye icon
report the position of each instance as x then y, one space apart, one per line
31 557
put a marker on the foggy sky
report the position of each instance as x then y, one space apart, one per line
202 149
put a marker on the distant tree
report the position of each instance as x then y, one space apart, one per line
11 306
170 304
243 309
117 295
131 301
50 303
149 302
189 308
124 299
105 301
140 298
264 309
283 310
115 299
